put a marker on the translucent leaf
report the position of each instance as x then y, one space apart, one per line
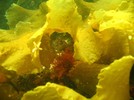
63 16
16 13
114 80
15 55
52 91
87 46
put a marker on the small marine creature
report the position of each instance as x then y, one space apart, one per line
62 64
62 43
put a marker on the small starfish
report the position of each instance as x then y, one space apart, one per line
36 47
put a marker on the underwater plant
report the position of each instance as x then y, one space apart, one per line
68 50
